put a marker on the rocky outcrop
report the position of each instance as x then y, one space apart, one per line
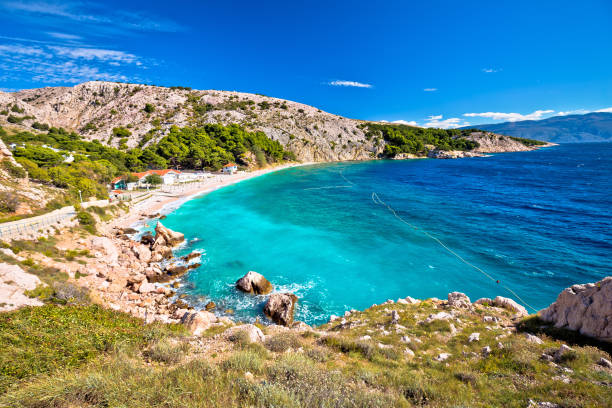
280 308
14 281
459 300
106 248
198 322
255 283
166 237
586 308
505 303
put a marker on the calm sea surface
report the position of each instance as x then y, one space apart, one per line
536 221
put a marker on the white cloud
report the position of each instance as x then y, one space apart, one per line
436 121
405 122
95 54
605 110
490 70
350 84
64 64
92 13
64 36
573 112
430 89
511 117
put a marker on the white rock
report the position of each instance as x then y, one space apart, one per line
14 281
198 322
409 352
486 351
459 300
147 287
405 339
563 350
533 339
585 308
107 247
411 300
511 305
366 337
394 317
251 332
402 302
604 362
442 356
474 337
439 316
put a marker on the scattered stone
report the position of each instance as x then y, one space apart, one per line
485 351
459 300
366 337
198 322
604 362
442 357
585 308
402 302
245 332
533 404
210 305
142 252
439 316
533 339
147 238
405 339
280 307
511 305
255 283
249 376
146 287
562 351
395 317
453 329
474 337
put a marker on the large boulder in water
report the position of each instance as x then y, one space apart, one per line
170 238
255 283
280 307
585 308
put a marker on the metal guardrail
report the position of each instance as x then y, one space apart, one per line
34 224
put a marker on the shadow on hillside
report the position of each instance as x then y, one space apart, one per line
536 325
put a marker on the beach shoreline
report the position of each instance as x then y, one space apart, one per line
161 202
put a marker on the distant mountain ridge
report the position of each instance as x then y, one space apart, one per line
590 127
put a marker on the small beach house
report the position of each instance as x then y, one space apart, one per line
230 168
118 183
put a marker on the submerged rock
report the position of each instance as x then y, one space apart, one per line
255 283
280 308
585 308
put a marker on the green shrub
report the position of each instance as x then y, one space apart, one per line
121 132
244 360
282 342
13 169
149 108
43 339
167 351
9 202
87 221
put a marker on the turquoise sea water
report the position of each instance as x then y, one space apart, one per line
536 221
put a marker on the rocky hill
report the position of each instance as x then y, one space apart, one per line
133 115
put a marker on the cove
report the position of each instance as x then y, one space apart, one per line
536 221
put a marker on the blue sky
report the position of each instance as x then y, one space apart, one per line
431 63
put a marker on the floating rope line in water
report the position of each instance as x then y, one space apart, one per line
376 199
326 187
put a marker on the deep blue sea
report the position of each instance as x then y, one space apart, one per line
537 222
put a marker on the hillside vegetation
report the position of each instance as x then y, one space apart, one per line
366 359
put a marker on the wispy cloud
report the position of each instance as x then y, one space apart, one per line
436 121
609 110
64 64
491 70
430 89
512 116
64 36
91 13
96 54
406 122
352 84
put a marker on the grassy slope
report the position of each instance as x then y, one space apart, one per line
66 356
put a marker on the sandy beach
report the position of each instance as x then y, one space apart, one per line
165 200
